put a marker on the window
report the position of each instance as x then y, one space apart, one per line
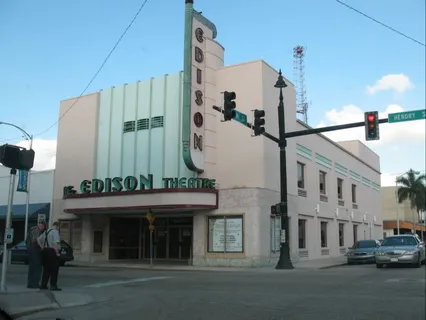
300 175
322 184
157 122
341 234
225 234
339 188
129 126
353 193
302 234
70 232
323 234
275 233
97 241
355 230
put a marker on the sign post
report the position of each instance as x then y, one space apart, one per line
407 116
150 217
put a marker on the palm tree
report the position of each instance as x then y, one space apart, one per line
412 187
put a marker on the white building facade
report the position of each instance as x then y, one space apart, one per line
40 199
157 148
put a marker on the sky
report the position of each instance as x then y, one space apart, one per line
51 49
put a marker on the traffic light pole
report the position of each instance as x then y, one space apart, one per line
6 229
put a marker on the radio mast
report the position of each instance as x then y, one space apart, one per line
299 79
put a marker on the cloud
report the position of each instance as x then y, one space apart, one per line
388 179
397 82
45 153
390 133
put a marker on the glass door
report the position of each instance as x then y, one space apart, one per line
186 243
174 243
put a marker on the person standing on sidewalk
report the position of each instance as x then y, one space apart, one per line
34 256
50 256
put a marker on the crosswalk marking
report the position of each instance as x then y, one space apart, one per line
116 283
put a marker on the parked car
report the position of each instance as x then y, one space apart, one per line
363 251
401 249
20 254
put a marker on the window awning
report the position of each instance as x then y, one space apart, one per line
18 210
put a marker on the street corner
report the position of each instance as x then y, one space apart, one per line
25 303
66 299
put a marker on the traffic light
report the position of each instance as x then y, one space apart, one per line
371 125
229 105
259 122
15 157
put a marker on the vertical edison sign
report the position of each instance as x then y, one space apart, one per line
197 30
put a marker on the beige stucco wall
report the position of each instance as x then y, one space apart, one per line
76 146
392 209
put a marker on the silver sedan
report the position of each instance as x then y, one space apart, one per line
401 249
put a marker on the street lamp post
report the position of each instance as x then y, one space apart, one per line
284 261
29 138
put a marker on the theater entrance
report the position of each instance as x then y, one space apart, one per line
171 239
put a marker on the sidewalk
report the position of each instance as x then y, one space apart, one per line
18 301
303 265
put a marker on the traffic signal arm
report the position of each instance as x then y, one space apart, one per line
310 131
250 126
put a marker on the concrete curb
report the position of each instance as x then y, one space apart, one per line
334 266
58 301
31 310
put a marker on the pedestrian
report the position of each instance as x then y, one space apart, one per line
50 243
34 256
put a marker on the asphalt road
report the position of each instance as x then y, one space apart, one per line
347 293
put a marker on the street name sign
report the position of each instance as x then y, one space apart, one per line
407 116
240 117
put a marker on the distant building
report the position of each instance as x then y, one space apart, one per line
41 186
394 211
158 147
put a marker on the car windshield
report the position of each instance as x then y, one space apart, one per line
365 244
399 241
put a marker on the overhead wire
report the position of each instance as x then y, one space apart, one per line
96 73
380 23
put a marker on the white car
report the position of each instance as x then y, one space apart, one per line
401 249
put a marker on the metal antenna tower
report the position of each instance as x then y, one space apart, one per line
299 77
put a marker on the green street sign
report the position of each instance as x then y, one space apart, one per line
407 116
240 117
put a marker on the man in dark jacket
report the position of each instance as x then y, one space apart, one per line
34 256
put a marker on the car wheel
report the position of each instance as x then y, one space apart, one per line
418 263
62 263
379 265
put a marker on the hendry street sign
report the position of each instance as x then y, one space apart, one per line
407 116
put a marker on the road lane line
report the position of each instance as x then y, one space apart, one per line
116 283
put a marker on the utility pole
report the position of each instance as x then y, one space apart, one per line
284 261
27 204
8 230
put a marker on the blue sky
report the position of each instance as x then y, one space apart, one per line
51 49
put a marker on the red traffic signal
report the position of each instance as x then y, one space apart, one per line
371 125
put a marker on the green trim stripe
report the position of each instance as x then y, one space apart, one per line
340 169
303 151
323 161
366 181
375 186
355 175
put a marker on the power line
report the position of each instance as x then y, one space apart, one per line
381 23
99 69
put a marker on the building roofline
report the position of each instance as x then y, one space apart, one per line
357 140
340 147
